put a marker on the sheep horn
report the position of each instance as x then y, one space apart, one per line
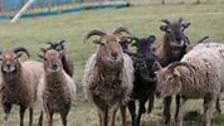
203 39
94 32
1 50
186 25
165 21
62 42
43 50
50 43
180 20
21 49
119 30
175 64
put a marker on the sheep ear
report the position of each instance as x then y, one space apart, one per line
176 73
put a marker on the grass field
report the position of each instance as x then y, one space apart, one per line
206 19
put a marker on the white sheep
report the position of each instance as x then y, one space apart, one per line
198 75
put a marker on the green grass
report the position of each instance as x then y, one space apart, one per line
206 19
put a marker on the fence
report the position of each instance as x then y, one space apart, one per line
15 5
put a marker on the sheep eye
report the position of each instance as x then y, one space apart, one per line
102 44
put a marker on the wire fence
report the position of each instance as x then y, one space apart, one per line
7 6
11 7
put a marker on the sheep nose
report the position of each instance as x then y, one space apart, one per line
158 94
54 66
8 65
114 55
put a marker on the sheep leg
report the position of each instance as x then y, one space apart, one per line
40 123
31 116
50 118
208 109
123 115
141 110
218 108
179 116
100 119
22 112
151 104
7 109
105 116
64 118
166 112
132 110
177 106
113 117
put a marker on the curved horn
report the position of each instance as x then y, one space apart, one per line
62 42
180 20
175 64
43 50
165 21
119 30
186 25
50 43
1 50
94 32
21 49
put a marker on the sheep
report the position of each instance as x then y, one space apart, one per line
145 64
19 81
56 89
108 78
66 61
199 74
173 48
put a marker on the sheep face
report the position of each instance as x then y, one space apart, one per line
10 59
144 44
146 67
110 51
168 82
175 32
52 62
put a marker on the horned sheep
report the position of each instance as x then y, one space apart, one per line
19 81
56 89
198 75
108 78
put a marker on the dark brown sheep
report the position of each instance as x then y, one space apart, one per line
173 48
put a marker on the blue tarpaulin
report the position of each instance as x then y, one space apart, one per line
10 5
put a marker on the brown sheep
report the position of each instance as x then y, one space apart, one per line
108 79
66 61
19 82
57 89
173 48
